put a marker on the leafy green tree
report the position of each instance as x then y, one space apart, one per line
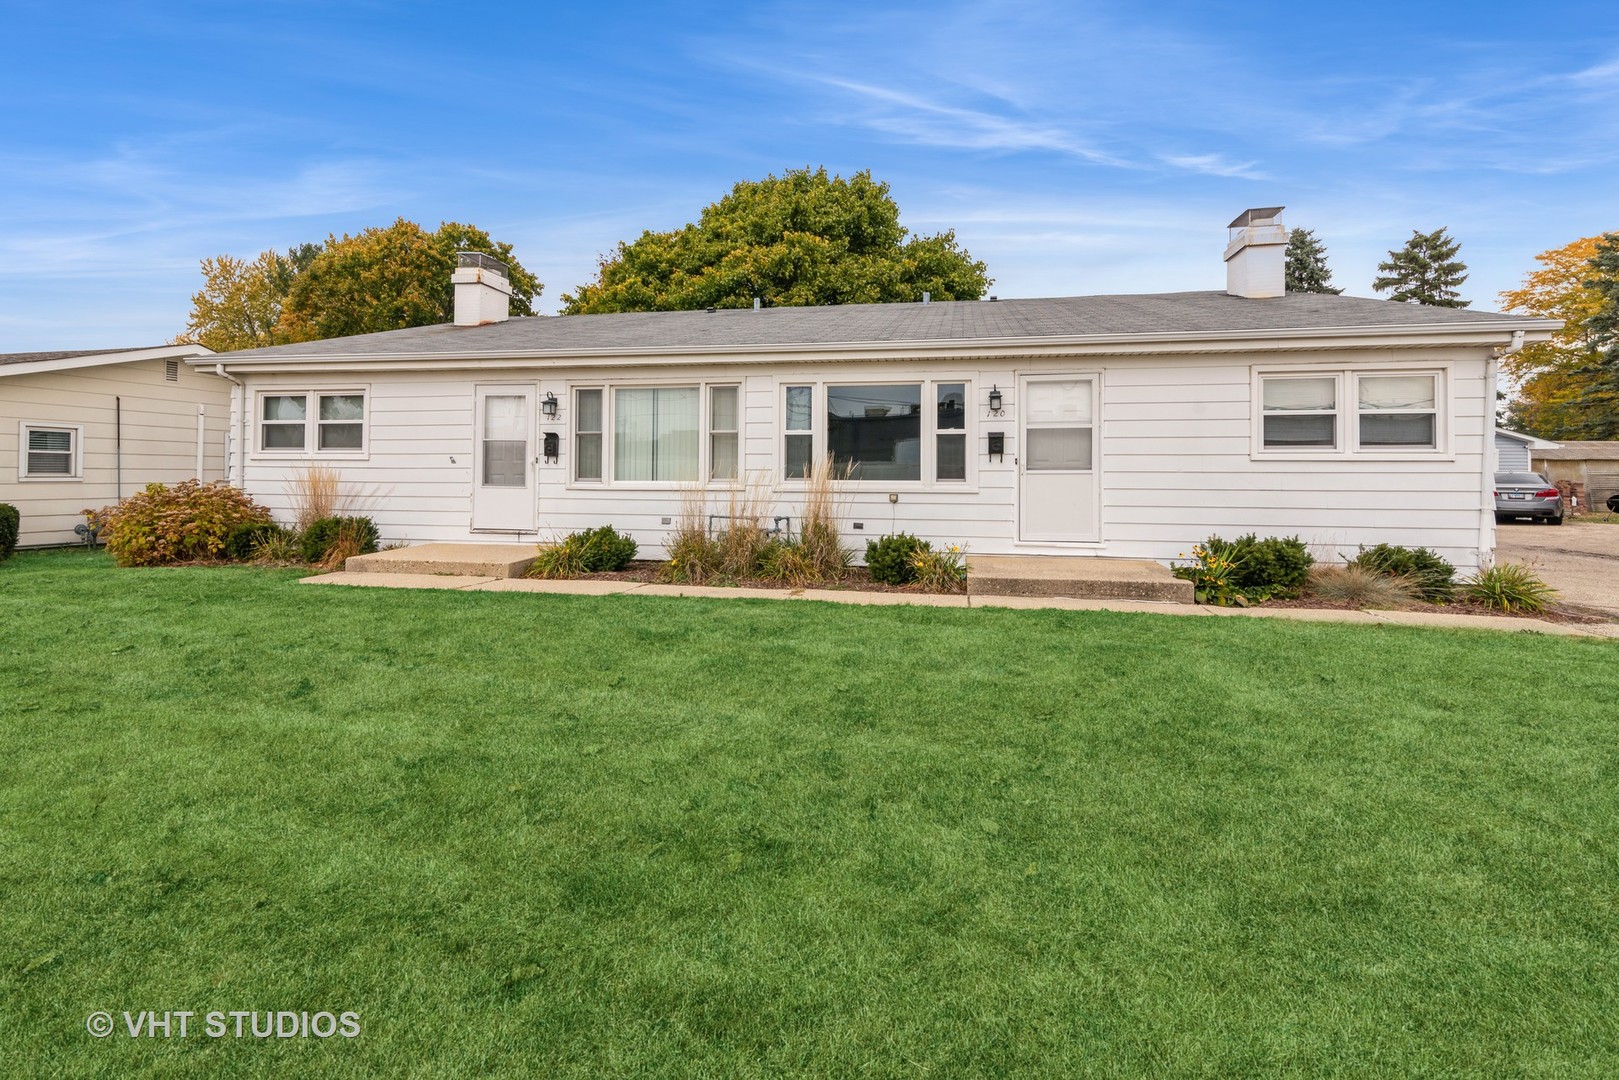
239 304
388 279
1307 270
1425 271
803 238
1572 385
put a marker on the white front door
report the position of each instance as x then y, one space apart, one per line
503 472
1057 476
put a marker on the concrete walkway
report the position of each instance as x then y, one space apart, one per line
476 583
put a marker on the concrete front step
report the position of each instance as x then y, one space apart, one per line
1079 576
462 560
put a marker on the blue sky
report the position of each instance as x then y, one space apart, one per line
1076 148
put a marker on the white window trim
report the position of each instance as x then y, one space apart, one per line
704 431
1346 432
930 430
310 449
76 460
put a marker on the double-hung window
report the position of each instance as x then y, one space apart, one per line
49 452
312 422
885 433
1397 412
1371 412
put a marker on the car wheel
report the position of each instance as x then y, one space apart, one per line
1558 520
1501 519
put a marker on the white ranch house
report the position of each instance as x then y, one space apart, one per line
1115 426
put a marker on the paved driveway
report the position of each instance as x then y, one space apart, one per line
1580 561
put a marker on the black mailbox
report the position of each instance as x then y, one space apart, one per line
997 445
553 444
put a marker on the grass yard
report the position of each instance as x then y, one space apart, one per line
630 836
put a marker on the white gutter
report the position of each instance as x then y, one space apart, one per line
236 467
1492 372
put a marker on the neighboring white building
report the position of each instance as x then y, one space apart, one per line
1126 426
81 430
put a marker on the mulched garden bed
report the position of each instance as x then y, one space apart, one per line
651 573
1553 614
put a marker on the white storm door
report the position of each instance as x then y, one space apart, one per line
503 497
1057 476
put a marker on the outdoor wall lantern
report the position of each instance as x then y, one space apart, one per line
995 401
549 406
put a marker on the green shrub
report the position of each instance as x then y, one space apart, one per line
592 551
891 559
1247 570
10 526
1508 587
1433 577
183 523
358 536
244 541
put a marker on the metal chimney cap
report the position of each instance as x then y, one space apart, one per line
1260 215
481 261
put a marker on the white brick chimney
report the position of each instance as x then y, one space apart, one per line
1256 257
482 292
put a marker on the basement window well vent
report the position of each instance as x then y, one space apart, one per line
171 370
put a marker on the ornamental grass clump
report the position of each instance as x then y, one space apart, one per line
1360 587
163 525
1508 587
818 538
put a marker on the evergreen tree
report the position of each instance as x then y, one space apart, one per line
1307 269
1425 271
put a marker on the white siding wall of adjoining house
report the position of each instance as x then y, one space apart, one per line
159 437
1511 455
1175 458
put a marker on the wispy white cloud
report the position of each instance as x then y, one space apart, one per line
1215 165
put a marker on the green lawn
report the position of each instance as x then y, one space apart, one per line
629 836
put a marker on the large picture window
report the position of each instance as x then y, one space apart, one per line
875 432
655 433
881 433
309 422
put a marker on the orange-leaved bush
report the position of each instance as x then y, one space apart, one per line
183 523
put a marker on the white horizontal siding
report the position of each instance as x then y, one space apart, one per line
1175 458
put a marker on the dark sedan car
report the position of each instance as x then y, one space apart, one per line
1521 494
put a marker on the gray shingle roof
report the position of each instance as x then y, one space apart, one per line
1141 314
30 357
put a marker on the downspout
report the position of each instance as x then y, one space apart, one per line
1492 373
118 449
236 470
